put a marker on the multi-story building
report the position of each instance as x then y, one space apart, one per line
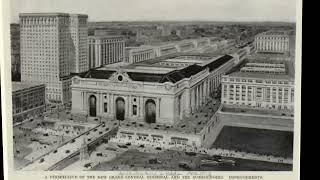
79 35
141 53
105 50
52 46
28 100
272 42
137 54
149 95
260 84
15 52
173 86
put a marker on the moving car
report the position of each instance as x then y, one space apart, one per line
208 162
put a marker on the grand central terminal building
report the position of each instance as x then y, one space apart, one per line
162 90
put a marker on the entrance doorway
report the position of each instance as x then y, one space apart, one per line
150 114
92 106
120 108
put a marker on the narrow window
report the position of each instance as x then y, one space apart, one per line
105 107
134 109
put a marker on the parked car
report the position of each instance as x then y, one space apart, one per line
88 165
154 161
122 146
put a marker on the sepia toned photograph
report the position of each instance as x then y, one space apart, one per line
146 85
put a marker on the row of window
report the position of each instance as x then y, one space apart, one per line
271 38
256 81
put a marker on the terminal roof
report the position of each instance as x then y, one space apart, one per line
173 75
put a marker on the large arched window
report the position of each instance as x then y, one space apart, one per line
120 108
150 111
92 106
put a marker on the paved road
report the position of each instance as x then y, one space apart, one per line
61 153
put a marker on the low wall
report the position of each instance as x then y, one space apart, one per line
257 121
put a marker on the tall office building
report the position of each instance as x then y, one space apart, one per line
15 52
79 35
105 50
52 46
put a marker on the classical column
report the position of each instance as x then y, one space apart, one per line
282 101
158 109
289 96
130 105
98 57
109 53
192 100
105 58
99 103
109 104
127 104
246 98
277 95
141 106
112 103
197 96
82 102
187 102
86 105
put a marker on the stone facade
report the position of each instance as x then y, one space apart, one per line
137 54
134 97
262 86
105 50
272 42
28 100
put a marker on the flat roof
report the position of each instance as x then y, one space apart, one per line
43 14
17 86
289 70
104 36
79 15
51 14
275 32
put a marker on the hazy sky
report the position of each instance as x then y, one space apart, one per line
118 10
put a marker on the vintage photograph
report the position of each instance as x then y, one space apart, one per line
146 85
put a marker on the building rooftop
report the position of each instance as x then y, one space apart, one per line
104 36
153 71
17 86
245 69
275 32
42 14
51 14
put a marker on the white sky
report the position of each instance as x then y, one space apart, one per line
122 10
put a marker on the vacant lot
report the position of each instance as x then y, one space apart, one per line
278 143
